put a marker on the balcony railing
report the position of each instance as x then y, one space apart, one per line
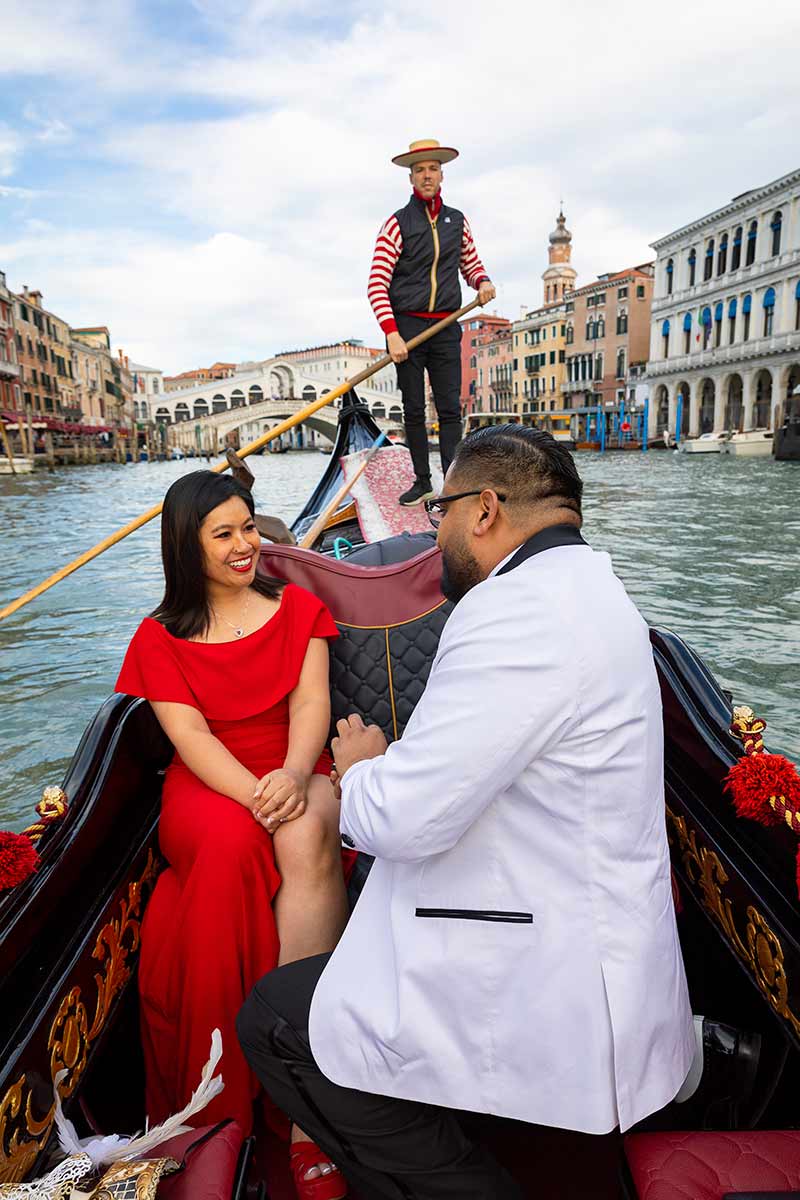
720 356
9 370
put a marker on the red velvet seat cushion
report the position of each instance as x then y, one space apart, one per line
210 1168
705 1166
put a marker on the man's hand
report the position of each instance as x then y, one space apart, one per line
355 743
396 347
279 796
486 292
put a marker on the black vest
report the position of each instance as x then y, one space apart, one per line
425 278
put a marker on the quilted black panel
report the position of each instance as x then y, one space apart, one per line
412 648
360 676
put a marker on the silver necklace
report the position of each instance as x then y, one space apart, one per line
237 629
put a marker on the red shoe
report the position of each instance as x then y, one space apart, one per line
305 1155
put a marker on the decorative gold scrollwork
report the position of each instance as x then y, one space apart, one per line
23 1134
760 949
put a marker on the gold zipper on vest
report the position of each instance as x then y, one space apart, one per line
434 285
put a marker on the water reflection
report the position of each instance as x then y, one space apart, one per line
707 546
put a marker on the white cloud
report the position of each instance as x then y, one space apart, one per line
10 149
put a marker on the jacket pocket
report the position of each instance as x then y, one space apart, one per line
477 914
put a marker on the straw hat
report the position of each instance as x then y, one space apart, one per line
424 151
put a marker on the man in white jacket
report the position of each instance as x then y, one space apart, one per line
514 950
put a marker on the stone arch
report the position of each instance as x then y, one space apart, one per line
733 403
182 412
683 394
200 408
255 393
309 394
237 398
790 393
281 382
662 409
218 403
395 413
163 416
378 410
763 399
706 392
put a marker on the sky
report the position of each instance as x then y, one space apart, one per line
207 177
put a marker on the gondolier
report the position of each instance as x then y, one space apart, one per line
413 281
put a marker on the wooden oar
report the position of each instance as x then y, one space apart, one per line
283 427
322 520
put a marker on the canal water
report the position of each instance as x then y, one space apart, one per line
707 546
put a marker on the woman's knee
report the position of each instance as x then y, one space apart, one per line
309 845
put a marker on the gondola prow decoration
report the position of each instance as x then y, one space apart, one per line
251 448
765 787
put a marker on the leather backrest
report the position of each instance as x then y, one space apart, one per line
390 619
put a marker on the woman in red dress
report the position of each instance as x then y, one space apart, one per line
236 670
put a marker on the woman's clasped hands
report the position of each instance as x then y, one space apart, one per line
280 796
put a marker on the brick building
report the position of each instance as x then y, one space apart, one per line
10 397
494 369
473 330
43 352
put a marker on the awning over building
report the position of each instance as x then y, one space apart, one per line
40 420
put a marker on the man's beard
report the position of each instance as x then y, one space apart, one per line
460 573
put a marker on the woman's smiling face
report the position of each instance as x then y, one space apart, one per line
230 544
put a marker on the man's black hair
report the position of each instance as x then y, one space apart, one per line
527 465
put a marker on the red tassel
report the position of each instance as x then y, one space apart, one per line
756 777
18 859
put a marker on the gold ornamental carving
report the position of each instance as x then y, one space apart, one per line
759 948
23 1133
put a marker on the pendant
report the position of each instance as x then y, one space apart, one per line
239 632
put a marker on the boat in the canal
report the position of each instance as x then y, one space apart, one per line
69 932
706 443
751 443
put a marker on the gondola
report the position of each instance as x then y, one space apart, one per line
70 932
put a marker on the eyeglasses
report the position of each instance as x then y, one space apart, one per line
436 508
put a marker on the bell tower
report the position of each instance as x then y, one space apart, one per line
559 278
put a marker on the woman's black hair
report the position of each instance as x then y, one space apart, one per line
184 610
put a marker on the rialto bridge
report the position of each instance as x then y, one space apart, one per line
254 401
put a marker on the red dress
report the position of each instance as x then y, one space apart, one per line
209 932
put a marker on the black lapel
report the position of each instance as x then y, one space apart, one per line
546 539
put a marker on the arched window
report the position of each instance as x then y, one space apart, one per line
665 336
378 411
570 338
309 393
670 276
769 311
200 408
395 413
722 256
182 411
736 254
687 333
473 362
620 364
752 236
600 328
254 394
747 305
708 266
598 366
219 403
622 321
777 224
162 416
692 266
589 330
732 321
705 321
238 398
719 312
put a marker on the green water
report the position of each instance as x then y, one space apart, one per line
707 546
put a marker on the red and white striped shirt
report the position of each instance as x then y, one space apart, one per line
389 247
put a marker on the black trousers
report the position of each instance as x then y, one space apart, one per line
386 1148
441 356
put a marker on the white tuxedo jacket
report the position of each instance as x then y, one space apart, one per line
514 950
